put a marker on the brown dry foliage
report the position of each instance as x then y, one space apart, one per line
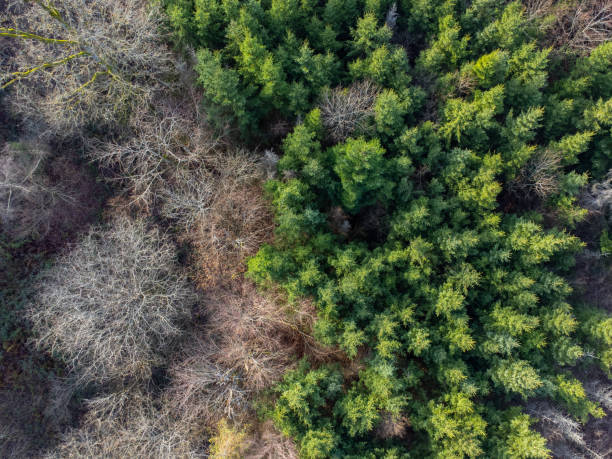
266 442
269 443
579 25
257 337
392 426
248 342
261 336
223 214
202 391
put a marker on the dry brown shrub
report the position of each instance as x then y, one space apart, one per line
247 344
223 214
94 61
580 25
347 110
392 426
269 443
112 304
128 424
260 336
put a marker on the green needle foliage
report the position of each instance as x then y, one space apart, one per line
448 286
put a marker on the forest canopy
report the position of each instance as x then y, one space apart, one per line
435 235
306 228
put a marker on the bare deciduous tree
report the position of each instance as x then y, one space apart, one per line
260 337
599 197
248 343
581 25
27 199
110 306
392 425
269 443
539 178
166 143
128 424
565 436
347 110
600 391
79 61
203 391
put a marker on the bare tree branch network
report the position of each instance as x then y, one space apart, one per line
77 62
221 210
581 25
166 144
539 178
128 424
347 110
110 306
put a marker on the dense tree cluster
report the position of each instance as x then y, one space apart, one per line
434 235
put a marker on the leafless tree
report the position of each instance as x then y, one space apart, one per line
581 25
260 336
536 9
245 346
43 195
28 199
599 197
347 110
392 15
82 61
600 391
165 144
128 423
392 426
539 178
203 391
110 306
566 437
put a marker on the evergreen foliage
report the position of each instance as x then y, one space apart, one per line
450 293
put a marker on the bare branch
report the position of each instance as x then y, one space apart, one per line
347 110
121 39
110 306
